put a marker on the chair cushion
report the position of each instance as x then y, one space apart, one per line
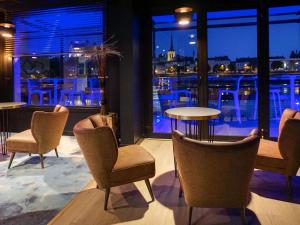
22 142
269 157
134 163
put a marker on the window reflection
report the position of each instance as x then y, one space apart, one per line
49 64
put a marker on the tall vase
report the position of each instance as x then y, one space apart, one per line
102 70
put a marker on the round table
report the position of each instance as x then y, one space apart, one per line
194 117
4 122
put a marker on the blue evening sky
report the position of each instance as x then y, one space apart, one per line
240 41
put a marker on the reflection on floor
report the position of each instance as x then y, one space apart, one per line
226 128
130 204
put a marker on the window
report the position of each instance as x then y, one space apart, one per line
175 79
48 66
284 62
232 70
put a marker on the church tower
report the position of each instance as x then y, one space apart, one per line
171 52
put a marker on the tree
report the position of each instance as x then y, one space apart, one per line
275 65
222 68
252 65
231 67
208 68
216 68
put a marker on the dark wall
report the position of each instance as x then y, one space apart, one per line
124 24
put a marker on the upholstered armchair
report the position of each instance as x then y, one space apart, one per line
112 166
44 135
282 156
215 175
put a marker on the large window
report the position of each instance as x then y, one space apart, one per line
49 67
284 62
175 79
232 70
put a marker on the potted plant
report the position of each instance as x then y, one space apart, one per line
100 53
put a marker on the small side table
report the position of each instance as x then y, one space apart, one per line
5 107
193 117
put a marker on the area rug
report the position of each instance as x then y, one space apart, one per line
31 195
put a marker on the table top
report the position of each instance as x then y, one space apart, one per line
11 105
192 113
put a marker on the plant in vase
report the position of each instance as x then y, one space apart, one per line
100 53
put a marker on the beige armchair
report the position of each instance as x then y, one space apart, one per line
112 166
215 175
44 135
282 156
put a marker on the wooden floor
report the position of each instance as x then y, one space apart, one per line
130 204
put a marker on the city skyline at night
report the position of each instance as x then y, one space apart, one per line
232 41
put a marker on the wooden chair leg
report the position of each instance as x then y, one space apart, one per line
190 215
12 156
175 166
149 189
180 188
42 160
289 187
243 215
107 191
180 192
56 152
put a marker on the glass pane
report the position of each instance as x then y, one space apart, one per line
175 80
284 62
49 67
232 70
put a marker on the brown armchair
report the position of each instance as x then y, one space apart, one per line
44 135
282 156
215 175
112 166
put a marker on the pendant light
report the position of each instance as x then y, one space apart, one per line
184 15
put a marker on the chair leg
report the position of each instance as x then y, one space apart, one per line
29 154
175 166
107 191
289 187
180 188
42 160
190 215
149 189
56 152
243 215
12 156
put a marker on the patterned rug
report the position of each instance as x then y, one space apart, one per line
31 195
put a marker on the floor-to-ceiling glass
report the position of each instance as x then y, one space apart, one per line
284 62
232 70
174 68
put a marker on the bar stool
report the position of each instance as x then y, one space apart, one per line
34 87
276 93
235 94
70 91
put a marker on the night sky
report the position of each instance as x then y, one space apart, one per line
233 41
